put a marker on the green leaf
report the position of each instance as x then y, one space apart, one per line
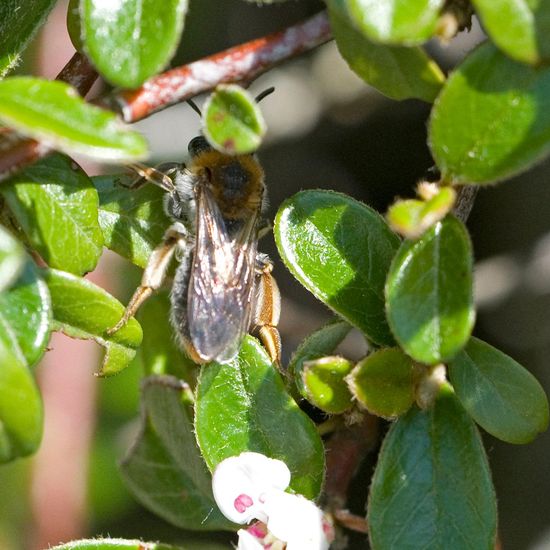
53 113
520 28
26 314
432 486
413 217
243 406
132 220
405 22
56 205
501 396
384 382
232 120
491 120
395 71
132 40
21 415
429 293
19 21
340 250
322 382
74 25
12 258
164 469
84 310
159 352
113 544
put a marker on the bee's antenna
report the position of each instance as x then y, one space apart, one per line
264 94
193 106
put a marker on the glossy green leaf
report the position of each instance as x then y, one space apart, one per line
396 71
53 113
432 486
164 469
132 220
21 415
12 258
232 120
159 352
131 40
412 217
26 313
429 293
491 120
84 310
19 21
323 383
384 382
501 396
520 28
243 406
56 205
340 250
113 544
74 25
405 22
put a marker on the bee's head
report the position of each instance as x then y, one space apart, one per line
198 145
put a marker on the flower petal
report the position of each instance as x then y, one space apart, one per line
248 541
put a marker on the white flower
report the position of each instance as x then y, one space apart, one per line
251 486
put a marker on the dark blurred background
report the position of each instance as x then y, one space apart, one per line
327 129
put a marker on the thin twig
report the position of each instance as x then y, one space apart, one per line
16 151
466 196
240 63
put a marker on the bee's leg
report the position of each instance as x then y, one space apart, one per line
160 175
267 308
154 272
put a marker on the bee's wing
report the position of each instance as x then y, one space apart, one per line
221 283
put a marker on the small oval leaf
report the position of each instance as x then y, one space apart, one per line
520 28
131 40
164 468
12 258
132 220
113 544
340 250
432 486
243 406
384 382
53 113
84 310
395 71
501 396
56 205
232 120
405 22
429 295
490 121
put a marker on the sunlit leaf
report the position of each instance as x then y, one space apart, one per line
12 258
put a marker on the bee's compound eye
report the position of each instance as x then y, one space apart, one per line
198 145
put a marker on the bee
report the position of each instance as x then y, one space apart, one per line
223 287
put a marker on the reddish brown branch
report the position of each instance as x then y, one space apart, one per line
241 63
16 151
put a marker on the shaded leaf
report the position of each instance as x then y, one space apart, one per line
520 28
26 312
132 220
57 207
429 293
19 21
396 71
384 382
132 40
164 469
432 486
243 406
340 250
74 25
84 310
12 258
53 113
232 120
491 120
501 396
